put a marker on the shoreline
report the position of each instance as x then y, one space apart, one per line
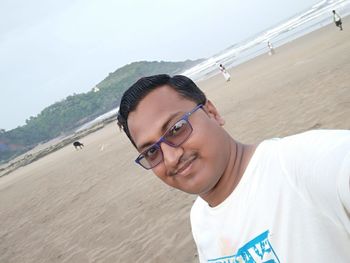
33 155
53 145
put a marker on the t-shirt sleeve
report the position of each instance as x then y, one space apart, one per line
317 163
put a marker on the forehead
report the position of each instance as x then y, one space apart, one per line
146 121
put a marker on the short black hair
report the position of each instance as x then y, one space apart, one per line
183 85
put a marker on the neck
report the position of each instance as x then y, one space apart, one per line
240 155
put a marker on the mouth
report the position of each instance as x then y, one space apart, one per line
185 167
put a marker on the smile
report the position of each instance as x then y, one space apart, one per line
185 167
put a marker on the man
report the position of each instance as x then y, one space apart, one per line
337 20
284 200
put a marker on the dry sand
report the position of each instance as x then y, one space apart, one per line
95 205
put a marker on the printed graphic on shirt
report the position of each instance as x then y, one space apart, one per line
257 250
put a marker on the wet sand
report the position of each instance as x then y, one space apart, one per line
95 205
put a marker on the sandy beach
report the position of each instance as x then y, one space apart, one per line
95 205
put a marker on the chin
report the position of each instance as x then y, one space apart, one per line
198 188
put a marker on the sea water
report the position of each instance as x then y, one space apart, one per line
317 16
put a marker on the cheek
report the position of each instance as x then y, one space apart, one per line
212 145
209 136
160 172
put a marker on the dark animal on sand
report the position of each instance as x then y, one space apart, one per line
78 144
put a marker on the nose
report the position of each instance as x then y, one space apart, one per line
171 155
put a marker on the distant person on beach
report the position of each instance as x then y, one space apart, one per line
224 72
282 200
271 49
337 20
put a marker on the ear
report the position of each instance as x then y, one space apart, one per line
213 113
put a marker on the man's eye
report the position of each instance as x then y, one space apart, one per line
151 152
177 128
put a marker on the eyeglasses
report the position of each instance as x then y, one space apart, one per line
174 136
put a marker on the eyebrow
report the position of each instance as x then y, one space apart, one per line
163 129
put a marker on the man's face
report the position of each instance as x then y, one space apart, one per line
196 165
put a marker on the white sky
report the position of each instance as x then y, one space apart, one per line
51 49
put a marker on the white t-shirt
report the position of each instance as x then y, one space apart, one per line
291 205
336 17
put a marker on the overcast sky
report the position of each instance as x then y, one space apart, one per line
51 49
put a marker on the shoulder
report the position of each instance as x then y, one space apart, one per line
307 156
315 141
318 134
317 166
316 161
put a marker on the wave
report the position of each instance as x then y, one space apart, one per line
298 25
